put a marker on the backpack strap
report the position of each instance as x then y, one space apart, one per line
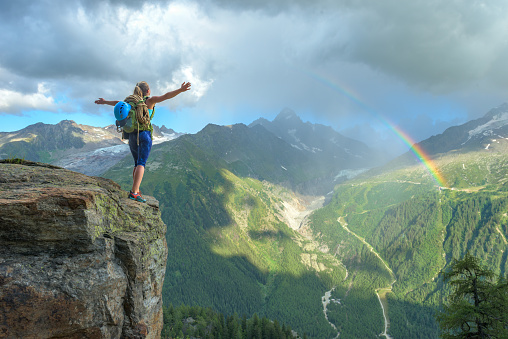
153 112
153 109
151 116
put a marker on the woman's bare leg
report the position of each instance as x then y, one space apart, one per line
137 176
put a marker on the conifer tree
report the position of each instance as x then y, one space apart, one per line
477 305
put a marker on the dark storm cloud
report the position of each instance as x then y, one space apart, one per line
326 58
43 42
436 45
61 39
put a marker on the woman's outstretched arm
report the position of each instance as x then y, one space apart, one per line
150 102
101 101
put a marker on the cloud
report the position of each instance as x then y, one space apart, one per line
52 43
39 100
440 46
434 45
199 87
108 42
72 48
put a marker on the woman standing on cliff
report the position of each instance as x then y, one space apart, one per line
140 140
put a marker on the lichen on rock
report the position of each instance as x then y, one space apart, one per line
78 259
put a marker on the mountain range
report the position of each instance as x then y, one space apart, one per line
250 230
308 158
85 149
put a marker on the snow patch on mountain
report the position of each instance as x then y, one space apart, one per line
117 149
124 148
334 140
301 144
487 129
166 137
307 148
98 161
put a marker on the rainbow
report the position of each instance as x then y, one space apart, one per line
420 154
414 147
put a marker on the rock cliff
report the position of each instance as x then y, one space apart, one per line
77 258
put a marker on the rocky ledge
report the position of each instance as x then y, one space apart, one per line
77 258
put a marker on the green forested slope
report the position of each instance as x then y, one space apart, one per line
229 248
200 322
417 228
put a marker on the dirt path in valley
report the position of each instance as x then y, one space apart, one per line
381 292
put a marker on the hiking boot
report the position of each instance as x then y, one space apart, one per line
136 196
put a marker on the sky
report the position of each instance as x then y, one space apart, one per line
359 66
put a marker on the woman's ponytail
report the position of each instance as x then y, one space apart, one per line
138 91
137 98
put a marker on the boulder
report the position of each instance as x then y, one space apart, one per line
78 259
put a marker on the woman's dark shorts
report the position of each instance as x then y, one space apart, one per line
140 153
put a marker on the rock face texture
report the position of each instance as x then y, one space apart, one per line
77 258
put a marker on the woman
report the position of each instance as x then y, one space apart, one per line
140 141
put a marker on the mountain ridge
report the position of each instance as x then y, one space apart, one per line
317 138
486 134
82 148
472 135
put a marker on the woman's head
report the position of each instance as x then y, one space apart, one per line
142 89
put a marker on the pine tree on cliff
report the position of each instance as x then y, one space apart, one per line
477 307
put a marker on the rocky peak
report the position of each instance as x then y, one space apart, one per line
77 258
500 110
288 114
67 123
166 130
